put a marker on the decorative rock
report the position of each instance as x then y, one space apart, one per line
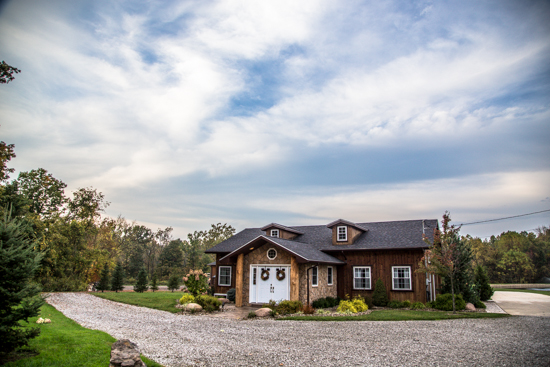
224 300
192 306
124 353
263 312
470 307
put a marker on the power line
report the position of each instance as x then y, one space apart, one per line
514 216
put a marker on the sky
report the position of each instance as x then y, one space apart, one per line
189 113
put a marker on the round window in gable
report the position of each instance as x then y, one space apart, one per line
271 254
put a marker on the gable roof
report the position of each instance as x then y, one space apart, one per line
280 226
348 223
315 242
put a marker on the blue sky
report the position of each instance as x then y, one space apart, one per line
187 113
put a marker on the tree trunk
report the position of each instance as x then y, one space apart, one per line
453 293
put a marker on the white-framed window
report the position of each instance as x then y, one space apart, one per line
271 254
315 277
342 233
224 277
401 278
274 233
329 275
361 277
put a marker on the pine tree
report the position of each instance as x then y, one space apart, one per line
141 285
379 296
154 280
483 286
19 298
105 279
117 283
173 282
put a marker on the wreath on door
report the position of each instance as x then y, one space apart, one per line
281 274
265 274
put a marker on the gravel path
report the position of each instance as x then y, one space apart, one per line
177 340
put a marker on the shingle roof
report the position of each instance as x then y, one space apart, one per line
317 240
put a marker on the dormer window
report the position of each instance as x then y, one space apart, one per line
274 233
342 233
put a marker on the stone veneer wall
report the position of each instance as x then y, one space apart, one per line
323 289
259 256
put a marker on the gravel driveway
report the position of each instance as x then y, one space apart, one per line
177 340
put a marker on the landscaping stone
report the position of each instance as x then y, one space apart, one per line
263 312
124 353
470 307
192 306
224 301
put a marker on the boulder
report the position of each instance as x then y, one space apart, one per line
124 353
192 306
470 307
263 312
224 300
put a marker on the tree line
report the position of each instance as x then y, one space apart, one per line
77 241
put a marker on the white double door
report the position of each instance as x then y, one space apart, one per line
269 288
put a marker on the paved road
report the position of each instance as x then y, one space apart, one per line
179 340
523 303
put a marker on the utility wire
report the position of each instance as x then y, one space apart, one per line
514 216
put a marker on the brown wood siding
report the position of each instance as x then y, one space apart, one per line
214 281
381 263
282 234
353 233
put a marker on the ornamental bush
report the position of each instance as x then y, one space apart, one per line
286 307
359 304
379 296
320 303
480 304
407 304
346 306
196 282
186 298
308 310
483 286
208 303
444 302
418 306
395 304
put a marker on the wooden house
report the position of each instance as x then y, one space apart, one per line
278 262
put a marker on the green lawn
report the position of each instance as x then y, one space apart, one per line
547 293
400 315
164 301
66 343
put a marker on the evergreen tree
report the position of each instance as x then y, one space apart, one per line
117 283
105 279
482 282
141 285
19 298
379 296
154 280
173 282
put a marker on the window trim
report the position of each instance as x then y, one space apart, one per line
267 254
410 278
338 239
220 276
274 231
370 277
330 281
315 276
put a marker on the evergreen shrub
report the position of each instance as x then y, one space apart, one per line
154 282
379 296
208 303
117 283
141 284
395 304
418 306
105 279
444 302
480 304
173 282
286 307
231 294
407 304
482 281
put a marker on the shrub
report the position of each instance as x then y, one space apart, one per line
407 304
368 301
272 304
444 302
308 310
141 284
320 303
379 296
231 294
346 307
430 304
154 282
252 315
395 304
359 304
482 282
174 282
418 306
480 304
186 298
208 303
196 282
286 307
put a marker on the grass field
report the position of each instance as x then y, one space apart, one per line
547 293
66 343
164 301
400 315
